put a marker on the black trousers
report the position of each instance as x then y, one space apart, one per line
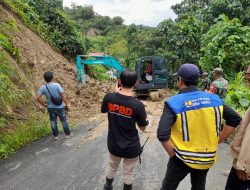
177 171
234 183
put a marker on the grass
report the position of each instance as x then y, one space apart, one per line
25 132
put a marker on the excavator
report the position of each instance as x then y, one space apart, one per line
152 75
94 58
151 71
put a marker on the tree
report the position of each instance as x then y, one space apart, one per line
130 37
117 20
208 10
182 39
226 45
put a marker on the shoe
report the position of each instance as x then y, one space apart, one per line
69 136
56 138
127 187
108 185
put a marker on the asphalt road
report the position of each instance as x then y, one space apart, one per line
80 163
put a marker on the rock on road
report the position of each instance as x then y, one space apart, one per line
80 163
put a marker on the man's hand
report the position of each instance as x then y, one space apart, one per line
168 147
67 108
226 132
242 175
40 101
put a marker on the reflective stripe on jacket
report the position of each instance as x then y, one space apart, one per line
195 133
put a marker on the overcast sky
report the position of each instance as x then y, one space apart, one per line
146 12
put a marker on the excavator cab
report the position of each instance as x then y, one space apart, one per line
151 73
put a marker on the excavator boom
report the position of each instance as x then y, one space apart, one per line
98 60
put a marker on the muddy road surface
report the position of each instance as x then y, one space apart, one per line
80 163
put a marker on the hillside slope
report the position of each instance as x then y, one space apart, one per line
24 58
38 56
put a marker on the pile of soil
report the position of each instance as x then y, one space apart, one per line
38 56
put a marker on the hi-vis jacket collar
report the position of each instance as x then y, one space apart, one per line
188 89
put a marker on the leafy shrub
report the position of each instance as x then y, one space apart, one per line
238 93
226 45
98 72
8 45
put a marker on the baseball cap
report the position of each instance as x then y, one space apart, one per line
218 70
189 72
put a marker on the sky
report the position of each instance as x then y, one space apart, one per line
146 12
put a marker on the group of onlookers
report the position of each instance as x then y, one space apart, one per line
189 128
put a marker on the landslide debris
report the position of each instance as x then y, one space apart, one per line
37 56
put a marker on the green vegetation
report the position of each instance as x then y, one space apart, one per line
238 94
25 132
98 71
48 19
16 128
208 33
226 43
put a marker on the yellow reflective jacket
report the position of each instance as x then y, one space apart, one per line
195 133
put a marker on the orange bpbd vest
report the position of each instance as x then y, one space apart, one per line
195 133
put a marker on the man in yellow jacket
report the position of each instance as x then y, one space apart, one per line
239 177
189 130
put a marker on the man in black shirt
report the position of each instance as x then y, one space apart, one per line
124 112
189 130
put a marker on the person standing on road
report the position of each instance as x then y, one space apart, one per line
220 85
189 130
124 112
56 103
239 177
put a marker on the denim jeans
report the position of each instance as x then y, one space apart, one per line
234 183
177 171
61 113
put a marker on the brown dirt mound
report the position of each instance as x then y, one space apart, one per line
38 56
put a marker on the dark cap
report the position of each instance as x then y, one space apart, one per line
218 71
189 72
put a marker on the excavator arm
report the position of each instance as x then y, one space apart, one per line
98 60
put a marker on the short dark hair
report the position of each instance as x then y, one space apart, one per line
128 78
190 83
48 76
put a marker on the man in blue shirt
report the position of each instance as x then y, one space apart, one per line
52 89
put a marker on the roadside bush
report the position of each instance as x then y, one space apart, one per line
25 132
98 72
238 93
